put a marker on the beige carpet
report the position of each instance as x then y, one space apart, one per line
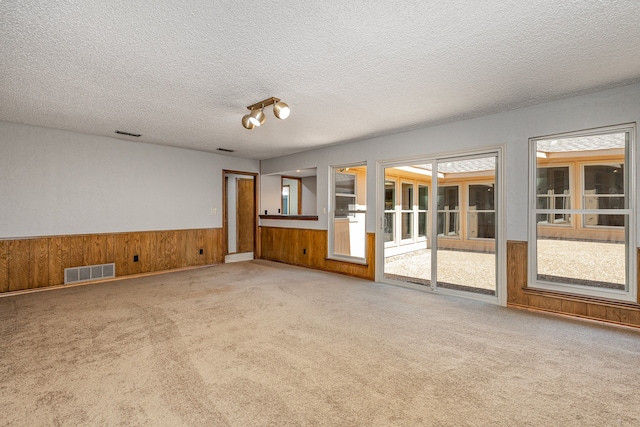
261 343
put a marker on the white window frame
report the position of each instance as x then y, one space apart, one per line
353 195
411 210
333 169
458 211
419 211
394 211
631 291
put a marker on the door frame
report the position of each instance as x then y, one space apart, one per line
225 213
501 276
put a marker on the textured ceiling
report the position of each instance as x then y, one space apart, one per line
182 73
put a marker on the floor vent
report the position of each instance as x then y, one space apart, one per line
89 272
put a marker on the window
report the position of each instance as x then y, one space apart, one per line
345 190
389 211
407 211
406 200
449 211
553 192
347 234
592 253
604 189
481 215
423 209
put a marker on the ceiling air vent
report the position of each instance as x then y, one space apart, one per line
226 150
136 135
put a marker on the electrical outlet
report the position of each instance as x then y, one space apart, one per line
135 258
214 211
304 251
201 251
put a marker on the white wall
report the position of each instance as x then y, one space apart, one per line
309 196
270 194
510 129
57 182
54 182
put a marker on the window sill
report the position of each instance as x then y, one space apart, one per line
528 290
294 217
357 261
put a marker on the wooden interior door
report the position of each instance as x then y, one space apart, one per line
245 215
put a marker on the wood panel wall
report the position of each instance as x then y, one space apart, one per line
40 262
289 244
519 294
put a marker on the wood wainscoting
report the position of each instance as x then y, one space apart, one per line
40 261
520 295
308 248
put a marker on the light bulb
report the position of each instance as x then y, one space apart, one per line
257 117
281 110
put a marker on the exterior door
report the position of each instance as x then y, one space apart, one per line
439 224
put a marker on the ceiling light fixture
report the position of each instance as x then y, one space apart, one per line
257 117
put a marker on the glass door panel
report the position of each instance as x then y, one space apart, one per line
466 225
407 256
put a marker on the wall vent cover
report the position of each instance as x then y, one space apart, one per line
89 272
135 135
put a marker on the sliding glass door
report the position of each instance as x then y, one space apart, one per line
439 221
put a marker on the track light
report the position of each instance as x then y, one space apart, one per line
281 110
246 122
257 117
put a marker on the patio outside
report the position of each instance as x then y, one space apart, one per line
596 264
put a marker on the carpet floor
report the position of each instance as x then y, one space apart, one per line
261 343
